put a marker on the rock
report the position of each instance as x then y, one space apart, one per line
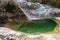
8 34
9 12
38 11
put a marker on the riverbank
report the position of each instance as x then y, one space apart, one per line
8 34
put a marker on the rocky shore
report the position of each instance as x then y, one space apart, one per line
8 34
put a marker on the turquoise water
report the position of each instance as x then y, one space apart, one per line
38 26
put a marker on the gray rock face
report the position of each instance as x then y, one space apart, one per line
9 11
38 10
2 37
8 34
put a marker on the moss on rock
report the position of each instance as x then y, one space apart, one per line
55 3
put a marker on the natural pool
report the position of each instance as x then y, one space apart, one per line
38 26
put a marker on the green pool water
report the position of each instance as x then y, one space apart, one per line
38 26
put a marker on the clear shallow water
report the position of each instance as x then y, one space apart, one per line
38 26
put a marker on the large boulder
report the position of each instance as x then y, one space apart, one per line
9 11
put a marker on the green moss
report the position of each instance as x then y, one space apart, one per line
34 1
55 3
13 25
38 26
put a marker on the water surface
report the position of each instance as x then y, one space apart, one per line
38 26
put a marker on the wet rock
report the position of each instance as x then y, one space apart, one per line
37 10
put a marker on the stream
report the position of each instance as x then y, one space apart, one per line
36 10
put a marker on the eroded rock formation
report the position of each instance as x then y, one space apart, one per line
9 11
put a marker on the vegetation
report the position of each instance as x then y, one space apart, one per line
34 1
55 3
14 25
